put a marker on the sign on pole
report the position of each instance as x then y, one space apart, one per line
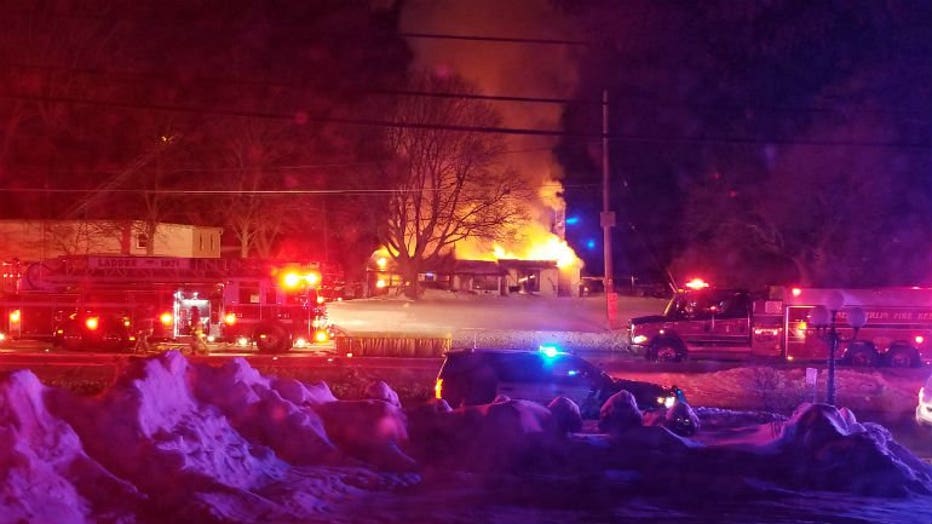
812 377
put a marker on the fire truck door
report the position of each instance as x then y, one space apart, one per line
730 328
694 323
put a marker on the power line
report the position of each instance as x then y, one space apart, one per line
256 192
267 168
161 76
498 39
300 118
628 97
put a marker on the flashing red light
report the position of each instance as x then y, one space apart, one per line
92 323
796 291
166 318
15 316
290 280
697 283
920 339
229 319
296 280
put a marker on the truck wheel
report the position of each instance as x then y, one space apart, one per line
272 338
666 351
861 354
902 357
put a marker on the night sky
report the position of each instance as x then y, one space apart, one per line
750 142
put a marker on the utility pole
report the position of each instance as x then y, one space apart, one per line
607 220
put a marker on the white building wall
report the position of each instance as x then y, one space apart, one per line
37 240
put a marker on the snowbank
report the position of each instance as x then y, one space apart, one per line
174 441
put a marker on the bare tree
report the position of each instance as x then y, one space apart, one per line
256 207
448 184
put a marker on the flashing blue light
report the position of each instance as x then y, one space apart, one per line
590 243
548 350
572 372
572 220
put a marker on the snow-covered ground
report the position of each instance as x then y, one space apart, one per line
174 441
496 321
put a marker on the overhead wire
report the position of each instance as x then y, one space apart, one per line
300 117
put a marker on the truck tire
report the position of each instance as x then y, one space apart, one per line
902 356
272 338
862 354
666 350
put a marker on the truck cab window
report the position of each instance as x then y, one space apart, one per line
735 306
695 307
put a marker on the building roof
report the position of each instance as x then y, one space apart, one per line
477 267
510 263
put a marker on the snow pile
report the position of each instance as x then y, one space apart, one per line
496 436
256 408
566 415
619 413
826 448
46 475
174 441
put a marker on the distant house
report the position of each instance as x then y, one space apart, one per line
486 277
478 276
30 240
538 277
511 276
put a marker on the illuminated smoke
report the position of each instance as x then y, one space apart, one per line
497 68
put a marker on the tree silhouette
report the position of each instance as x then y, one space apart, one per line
447 185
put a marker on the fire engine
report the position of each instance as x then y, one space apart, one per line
700 321
118 303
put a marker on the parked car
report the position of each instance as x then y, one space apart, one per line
472 377
924 409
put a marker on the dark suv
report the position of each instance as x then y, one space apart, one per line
477 376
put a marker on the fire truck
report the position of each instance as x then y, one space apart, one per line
122 303
869 327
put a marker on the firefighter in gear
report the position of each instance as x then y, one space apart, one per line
198 338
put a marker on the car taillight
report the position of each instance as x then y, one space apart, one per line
438 389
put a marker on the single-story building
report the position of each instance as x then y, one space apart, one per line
485 277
